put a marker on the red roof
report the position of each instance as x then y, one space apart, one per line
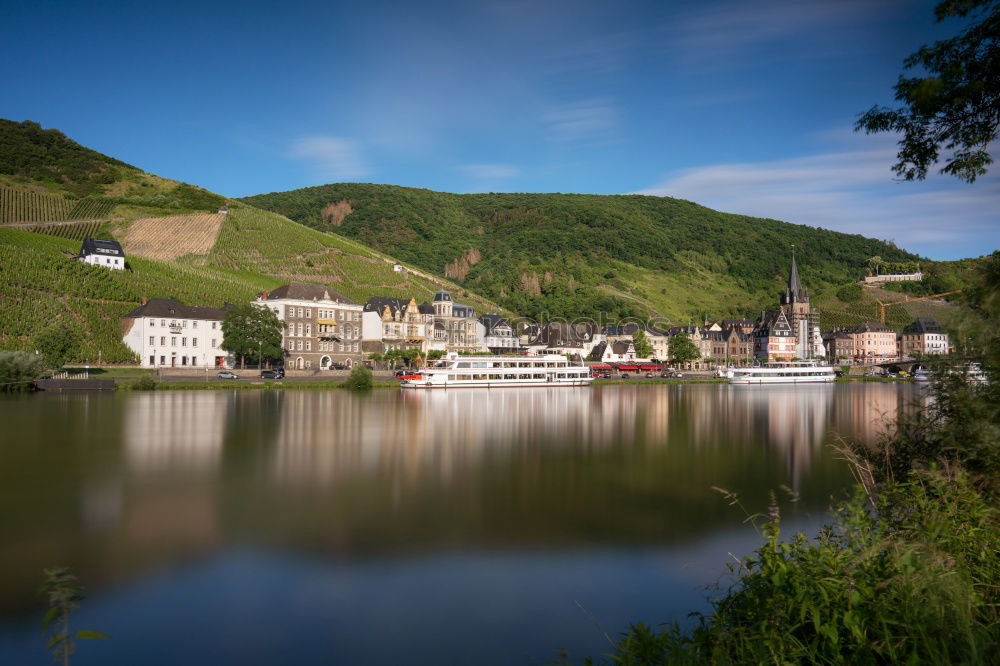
652 367
600 367
628 367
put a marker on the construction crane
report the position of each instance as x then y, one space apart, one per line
906 299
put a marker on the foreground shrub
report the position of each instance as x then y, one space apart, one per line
909 575
18 371
144 384
360 379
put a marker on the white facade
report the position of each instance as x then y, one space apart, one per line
104 261
176 342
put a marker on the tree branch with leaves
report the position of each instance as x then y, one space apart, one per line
955 105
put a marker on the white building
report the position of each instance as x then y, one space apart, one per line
103 253
163 332
497 335
389 323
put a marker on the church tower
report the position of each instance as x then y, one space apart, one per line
795 304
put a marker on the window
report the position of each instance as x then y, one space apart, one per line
309 313
152 341
308 345
300 345
163 340
163 360
291 345
184 342
194 342
214 340
214 323
152 322
173 341
163 322
194 324
308 330
300 314
184 323
300 329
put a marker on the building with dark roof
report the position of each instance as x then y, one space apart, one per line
163 332
395 323
497 334
103 253
802 319
773 339
323 327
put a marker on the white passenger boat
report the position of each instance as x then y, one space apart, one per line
500 371
790 372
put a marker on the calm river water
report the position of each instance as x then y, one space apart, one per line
454 527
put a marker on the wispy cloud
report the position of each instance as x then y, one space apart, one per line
851 191
745 29
587 120
332 158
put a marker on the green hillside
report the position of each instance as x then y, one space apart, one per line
575 255
40 282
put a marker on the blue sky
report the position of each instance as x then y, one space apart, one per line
745 106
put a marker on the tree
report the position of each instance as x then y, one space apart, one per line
955 106
682 349
642 347
874 263
360 378
252 331
59 344
18 371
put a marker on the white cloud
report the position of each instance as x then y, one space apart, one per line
588 120
851 191
332 158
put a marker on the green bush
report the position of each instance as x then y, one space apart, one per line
19 370
144 384
360 379
905 576
849 293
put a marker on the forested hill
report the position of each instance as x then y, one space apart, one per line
575 255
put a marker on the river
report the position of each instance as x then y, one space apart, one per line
464 526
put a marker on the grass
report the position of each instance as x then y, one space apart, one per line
231 385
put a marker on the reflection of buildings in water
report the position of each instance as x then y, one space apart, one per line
175 431
796 420
326 436
866 415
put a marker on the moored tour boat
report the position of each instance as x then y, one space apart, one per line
789 372
500 371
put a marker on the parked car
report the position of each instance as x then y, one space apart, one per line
271 374
403 372
839 373
228 374
338 366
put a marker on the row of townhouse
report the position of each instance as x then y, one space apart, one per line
872 342
323 329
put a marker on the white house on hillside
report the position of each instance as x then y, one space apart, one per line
104 253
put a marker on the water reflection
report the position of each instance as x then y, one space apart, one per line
149 480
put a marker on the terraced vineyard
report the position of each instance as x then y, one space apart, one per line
167 238
836 313
18 205
23 206
73 229
40 282
89 209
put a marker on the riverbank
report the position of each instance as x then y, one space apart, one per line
236 385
